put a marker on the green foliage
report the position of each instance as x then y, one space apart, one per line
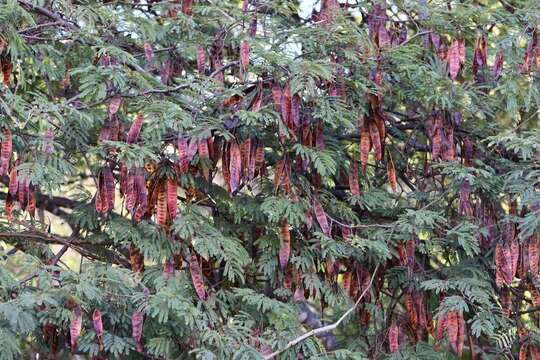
250 261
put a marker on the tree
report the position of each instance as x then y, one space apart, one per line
270 179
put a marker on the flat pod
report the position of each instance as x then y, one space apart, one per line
6 149
393 338
354 183
137 320
161 214
235 166
135 129
391 173
197 277
375 140
321 217
285 247
171 198
201 60
75 327
454 59
365 144
97 322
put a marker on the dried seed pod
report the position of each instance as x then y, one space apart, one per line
235 166
391 173
393 338
6 149
285 247
161 214
137 320
197 277
354 183
75 327
135 129
321 217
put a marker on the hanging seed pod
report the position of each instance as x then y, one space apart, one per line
321 217
137 320
75 327
135 129
235 166
6 148
197 277
354 183
285 248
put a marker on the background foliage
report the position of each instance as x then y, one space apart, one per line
235 174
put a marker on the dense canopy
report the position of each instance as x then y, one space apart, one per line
266 179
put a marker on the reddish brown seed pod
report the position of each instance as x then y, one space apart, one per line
534 254
182 145
108 178
197 277
98 323
285 247
235 166
393 338
391 173
171 198
276 95
161 214
411 311
535 353
354 183
454 59
201 60
499 261
497 68
6 149
137 320
244 55
442 324
375 140
452 327
75 327
7 68
365 144
135 129
245 153
114 105
321 217
187 7
13 183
